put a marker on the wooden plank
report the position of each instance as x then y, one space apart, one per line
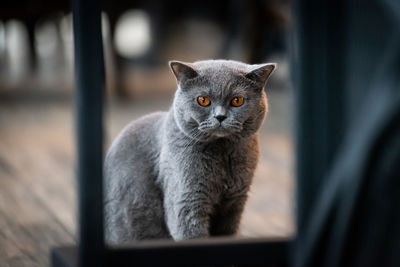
27 221
11 254
35 200
41 156
28 225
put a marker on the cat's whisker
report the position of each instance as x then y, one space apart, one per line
205 125
194 138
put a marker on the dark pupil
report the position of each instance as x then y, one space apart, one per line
203 99
236 99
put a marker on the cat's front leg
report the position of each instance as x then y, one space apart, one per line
188 213
227 219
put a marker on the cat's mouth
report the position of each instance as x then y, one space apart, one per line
220 129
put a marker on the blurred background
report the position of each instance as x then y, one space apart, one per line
37 138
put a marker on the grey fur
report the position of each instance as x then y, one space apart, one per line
179 174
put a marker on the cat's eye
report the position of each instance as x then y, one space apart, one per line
237 101
203 101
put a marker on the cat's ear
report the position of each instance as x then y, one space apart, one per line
260 73
183 71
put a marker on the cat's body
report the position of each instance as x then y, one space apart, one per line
186 173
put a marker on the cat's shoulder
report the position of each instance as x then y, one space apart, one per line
139 131
144 123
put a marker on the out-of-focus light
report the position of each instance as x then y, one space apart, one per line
66 29
2 38
17 50
105 26
132 34
16 39
67 37
46 38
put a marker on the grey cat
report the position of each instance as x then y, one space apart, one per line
185 173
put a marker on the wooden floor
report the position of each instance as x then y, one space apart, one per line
37 183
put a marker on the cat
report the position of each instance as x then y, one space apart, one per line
186 173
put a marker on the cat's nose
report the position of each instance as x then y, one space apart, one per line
220 118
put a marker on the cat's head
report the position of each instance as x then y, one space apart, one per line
220 98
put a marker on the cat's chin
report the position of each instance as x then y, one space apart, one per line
220 134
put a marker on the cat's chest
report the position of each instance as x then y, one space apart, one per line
224 169
225 166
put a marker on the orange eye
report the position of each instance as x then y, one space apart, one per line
237 101
203 101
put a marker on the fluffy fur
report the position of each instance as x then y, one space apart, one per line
183 174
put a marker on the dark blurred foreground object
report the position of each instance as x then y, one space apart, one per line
347 78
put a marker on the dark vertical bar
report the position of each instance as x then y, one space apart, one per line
320 116
89 71
307 95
